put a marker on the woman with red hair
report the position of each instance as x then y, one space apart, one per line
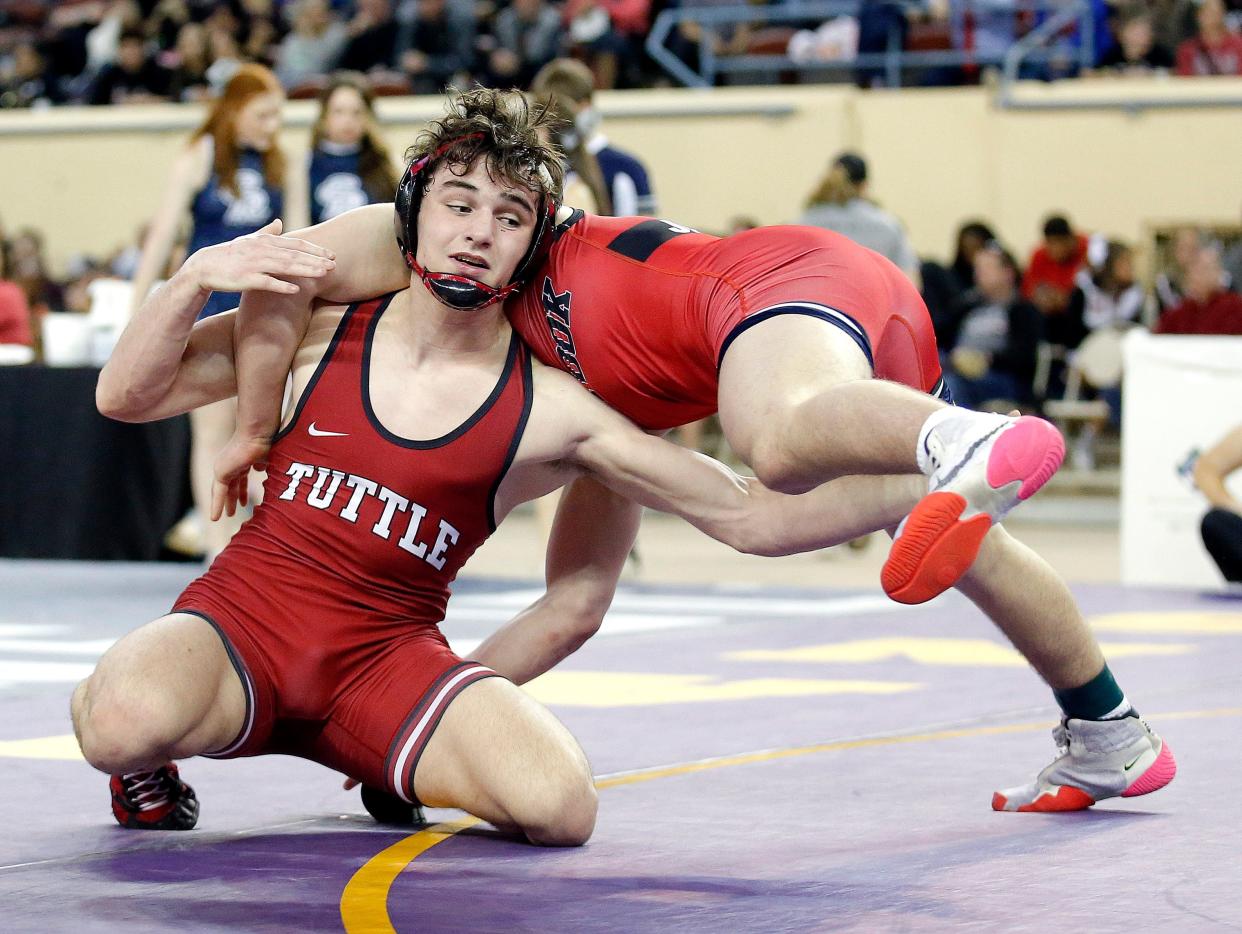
229 180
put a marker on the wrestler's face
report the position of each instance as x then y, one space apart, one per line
471 224
259 121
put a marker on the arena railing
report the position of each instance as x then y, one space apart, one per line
893 61
1035 44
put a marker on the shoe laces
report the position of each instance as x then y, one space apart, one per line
1061 736
148 789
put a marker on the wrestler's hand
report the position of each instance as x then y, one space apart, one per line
262 261
230 486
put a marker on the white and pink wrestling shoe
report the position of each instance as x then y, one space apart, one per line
979 466
1096 759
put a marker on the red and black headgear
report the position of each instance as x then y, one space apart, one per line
461 291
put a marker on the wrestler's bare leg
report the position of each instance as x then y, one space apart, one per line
165 691
504 757
1032 605
798 404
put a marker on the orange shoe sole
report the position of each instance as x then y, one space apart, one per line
935 549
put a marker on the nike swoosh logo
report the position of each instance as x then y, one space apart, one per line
1130 764
319 433
970 452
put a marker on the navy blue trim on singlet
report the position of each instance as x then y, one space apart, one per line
247 682
514 343
563 228
822 312
323 363
942 391
528 382
641 240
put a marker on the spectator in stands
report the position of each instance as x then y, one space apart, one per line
985 29
584 180
15 317
944 288
67 27
228 181
1106 293
528 35
1049 279
435 47
1136 51
840 203
225 55
1222 526
1170 281
606 34
1174 21
625 178
989 342
372 38
187 80
261 31
1232 262
313 45
1208 308
134 78
349 164
166 21
1106 297
28 268
103 42
1215 50
27 81
722 40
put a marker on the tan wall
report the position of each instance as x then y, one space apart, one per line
89 178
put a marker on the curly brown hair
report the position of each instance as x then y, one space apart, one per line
503 127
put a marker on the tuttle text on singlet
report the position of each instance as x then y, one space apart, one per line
328 482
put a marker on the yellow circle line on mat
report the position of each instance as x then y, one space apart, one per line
364 903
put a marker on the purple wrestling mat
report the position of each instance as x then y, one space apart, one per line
770 760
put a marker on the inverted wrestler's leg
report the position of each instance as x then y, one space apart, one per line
504 757
165 691
798 404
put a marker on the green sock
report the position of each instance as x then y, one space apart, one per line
1098 699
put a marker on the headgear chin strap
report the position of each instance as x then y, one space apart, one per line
462 292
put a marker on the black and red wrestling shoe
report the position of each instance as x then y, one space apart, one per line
154 800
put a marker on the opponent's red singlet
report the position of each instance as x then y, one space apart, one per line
642 310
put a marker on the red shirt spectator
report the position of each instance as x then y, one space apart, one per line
1208 307
1054 265
1215 50
632 17
1220 314
14 315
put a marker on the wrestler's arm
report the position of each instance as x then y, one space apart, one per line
164 363
591 539
271 326
1217 463
738 511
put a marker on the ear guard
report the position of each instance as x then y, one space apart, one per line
462 292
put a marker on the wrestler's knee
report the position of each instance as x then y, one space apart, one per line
561 812
118 730
773 462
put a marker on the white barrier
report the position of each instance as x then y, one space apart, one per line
1182 394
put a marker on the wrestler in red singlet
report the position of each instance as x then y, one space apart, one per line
642 311
329 598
